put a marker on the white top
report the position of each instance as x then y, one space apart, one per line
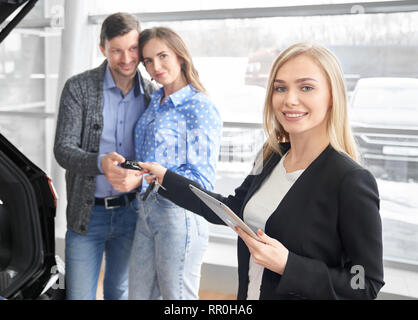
259 208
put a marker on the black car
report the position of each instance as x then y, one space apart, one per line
28 265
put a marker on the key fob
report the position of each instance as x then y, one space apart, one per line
130 164
147 193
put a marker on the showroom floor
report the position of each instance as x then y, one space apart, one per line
203 294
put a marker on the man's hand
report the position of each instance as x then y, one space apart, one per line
132 180
123 180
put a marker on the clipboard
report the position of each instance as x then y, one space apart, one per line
223 212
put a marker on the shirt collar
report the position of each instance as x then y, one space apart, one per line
180 96
109 82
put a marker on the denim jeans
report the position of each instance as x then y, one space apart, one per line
167 252
110 232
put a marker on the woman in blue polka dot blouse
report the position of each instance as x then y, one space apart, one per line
180 129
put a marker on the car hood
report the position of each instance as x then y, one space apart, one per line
391 118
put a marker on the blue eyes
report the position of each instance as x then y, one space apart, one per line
280 89
307 88
284 89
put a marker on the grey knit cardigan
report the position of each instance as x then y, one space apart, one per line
77 139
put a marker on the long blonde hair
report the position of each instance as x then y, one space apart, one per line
175 43
338 127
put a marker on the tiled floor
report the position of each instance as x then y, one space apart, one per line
203 294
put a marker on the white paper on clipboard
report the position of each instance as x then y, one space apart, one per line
223 212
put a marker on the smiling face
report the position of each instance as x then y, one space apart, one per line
122 55
301 97
163 65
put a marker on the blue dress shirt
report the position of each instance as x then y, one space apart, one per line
182 134
120 115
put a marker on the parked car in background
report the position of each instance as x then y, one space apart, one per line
258 67
384 117
29 268
357 61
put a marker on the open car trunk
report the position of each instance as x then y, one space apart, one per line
28 266
27 237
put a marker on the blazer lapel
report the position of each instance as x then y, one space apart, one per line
267 169
293 201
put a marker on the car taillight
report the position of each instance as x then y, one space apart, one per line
53 191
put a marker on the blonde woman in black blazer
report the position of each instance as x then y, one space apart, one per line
324 238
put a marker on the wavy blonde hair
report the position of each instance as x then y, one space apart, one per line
175 43
338 127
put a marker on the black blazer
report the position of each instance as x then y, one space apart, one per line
329 221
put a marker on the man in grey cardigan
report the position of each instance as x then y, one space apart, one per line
95 132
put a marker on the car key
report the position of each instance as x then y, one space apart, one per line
153 186
147 193
130 164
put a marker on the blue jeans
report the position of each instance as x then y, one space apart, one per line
110 232
167 252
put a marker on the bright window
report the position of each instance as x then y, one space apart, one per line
234 57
